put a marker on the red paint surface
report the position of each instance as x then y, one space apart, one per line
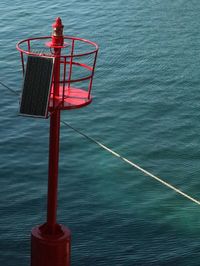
51 242
74 60
73 98
50 250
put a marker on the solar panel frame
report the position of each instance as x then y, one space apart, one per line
36 79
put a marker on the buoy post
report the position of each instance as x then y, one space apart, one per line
54 136
55 79
51 242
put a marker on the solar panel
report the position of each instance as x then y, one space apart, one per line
36 87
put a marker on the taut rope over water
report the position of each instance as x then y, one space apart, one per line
134 165
123 158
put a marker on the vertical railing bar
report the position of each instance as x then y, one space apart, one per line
64 79
29 46
22 59
71 61
91 80
53 92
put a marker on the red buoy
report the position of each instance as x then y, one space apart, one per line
70 88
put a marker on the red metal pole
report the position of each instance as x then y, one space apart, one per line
54 139
51 242
53 171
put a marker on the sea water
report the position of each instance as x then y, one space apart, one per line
146 107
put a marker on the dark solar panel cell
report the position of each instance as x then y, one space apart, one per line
36 87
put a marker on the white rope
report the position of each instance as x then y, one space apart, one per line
124 159
134 165
5 86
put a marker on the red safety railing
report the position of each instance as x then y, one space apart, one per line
77 62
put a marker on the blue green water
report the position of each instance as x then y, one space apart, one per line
146 107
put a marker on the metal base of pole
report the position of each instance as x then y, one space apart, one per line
50 250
